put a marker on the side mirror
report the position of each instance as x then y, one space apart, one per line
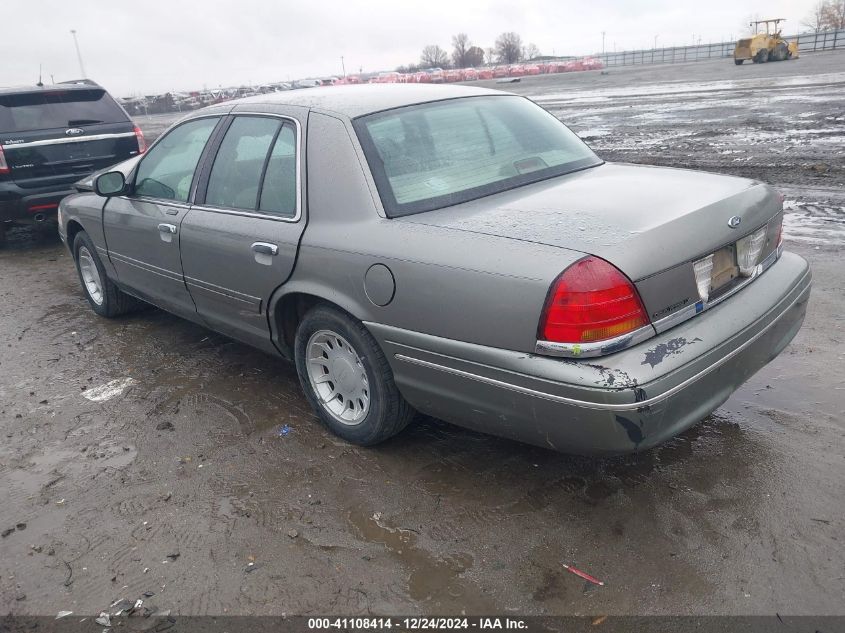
111 183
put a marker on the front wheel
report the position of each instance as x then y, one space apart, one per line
105 298
347 378
738 62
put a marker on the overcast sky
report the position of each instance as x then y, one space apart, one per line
156 46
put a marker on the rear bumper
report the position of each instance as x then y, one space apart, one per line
626 402
31 205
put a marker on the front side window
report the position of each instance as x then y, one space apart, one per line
168 168
435 155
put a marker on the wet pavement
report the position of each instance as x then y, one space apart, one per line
145 454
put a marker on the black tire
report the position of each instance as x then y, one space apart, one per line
114 301
388 411
2 233
762 56
738 62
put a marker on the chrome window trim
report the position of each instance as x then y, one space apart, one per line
70 139
264 215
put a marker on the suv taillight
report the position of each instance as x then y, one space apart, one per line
591 301
142 142
4 166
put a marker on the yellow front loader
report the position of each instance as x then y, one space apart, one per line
766 46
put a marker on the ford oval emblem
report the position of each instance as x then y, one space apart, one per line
734 221
75 131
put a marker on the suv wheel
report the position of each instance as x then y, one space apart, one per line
105 297
347 379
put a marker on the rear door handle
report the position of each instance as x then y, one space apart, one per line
264 248
167 228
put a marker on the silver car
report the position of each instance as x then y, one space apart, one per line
453 251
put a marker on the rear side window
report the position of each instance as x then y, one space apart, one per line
167 170
235 178
255 167
58 109
278 195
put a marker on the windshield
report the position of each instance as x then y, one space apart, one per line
57 109
434 155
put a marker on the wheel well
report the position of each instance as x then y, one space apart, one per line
290 311
73 227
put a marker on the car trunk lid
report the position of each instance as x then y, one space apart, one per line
650 222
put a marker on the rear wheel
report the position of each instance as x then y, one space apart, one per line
762 56
105 298
2 233
738 62
347 378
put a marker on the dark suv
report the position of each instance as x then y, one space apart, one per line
50 137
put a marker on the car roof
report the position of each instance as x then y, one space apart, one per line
360 99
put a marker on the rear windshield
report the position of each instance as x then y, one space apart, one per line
434 155
57 109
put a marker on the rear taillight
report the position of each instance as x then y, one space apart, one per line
142 142
4 166
591 301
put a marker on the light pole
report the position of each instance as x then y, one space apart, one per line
655 41
602 42
343 65
78 54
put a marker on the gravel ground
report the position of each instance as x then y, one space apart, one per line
144 454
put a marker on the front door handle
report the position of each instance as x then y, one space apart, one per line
264 248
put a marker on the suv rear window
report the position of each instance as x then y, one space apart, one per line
438 154
57 109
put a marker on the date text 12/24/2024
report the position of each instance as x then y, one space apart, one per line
417 623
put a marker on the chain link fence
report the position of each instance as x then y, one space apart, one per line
807 43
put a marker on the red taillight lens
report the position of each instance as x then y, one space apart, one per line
4 166
591 301
142 142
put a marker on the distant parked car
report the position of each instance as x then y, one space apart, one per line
485 73
500 72
453 74
481 265
469 74
436 75
50 137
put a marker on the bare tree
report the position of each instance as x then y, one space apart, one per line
816 18
460 47
508 48
434 56
475 56
531 51
491 55
834 14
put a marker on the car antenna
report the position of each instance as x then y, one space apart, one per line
40 83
